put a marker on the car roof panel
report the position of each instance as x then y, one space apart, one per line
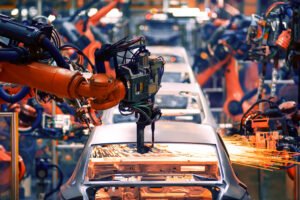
165 131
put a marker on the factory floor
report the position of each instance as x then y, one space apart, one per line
274 184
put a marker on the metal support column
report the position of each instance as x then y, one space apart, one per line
297 183
73 7
19 7
165 5
15 155
39 7
54 152
14 145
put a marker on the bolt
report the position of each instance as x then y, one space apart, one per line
110 80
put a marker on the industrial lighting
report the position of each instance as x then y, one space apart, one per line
175 28
33 11
188 12
160 17
214 15
24 12
114 13
51 18
112 16
232 10
220 3
174 3
82 13
92 12
14 12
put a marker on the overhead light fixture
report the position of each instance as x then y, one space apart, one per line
189 12
51 18
92 12
14 12
24 12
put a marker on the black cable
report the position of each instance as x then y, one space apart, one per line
61 178
251 108
56 35
85 7
3 44
78 51
54 52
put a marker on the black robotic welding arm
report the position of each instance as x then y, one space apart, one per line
137 80
141 76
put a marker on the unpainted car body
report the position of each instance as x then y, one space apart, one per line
178 73
175 89
79 186
179 53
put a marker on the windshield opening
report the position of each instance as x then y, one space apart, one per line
176 77
166 162
170 58
180 107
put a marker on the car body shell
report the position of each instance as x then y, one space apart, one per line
182 68
170 50
77 187
175 88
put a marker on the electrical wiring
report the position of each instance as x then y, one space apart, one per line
144 110
272 104
61 178
71 46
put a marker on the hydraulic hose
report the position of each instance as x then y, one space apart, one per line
249 95
252 107
39 117
236 107
100 58
213 40
31 36
14 98
60 61
66 108
61 178
17 31
13 55
9 55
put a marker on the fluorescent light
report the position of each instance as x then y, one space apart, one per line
33 11
14 12
114 13
160 16
51 18
189 12
24 12
112 16
92 12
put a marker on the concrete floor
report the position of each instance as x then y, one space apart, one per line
274 185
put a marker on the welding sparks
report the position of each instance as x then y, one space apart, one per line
242 152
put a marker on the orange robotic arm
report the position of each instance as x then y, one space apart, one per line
5 178
234 91
102 12
204 76
93 20
104 92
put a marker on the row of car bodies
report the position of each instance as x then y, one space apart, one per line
188 159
